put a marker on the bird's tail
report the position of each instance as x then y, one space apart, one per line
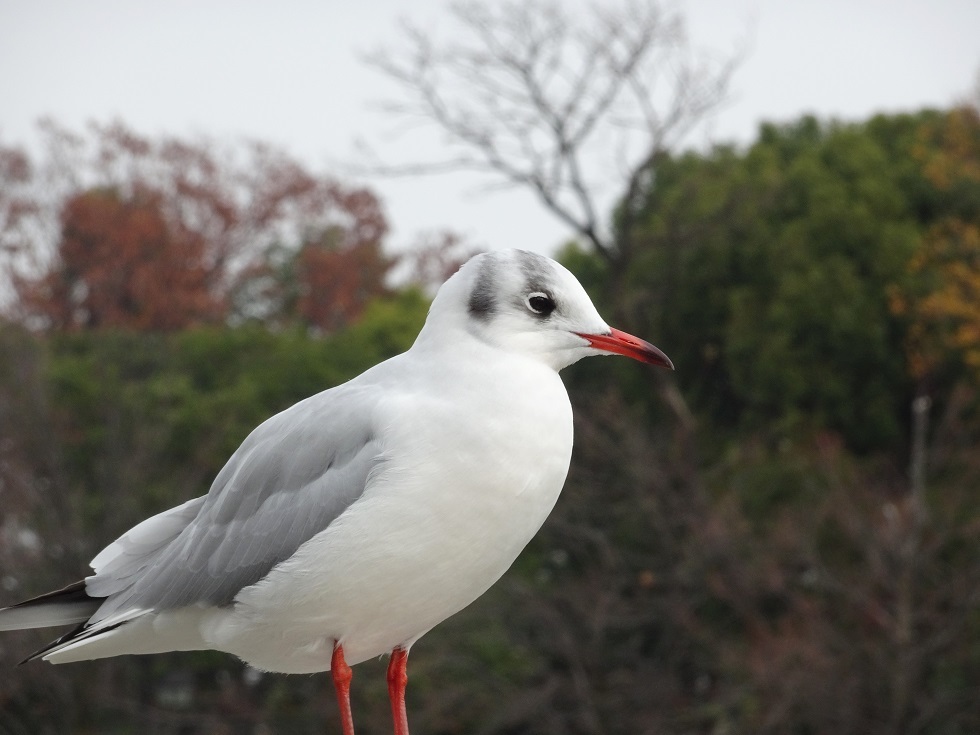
68 605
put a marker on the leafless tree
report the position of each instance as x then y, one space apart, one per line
574 106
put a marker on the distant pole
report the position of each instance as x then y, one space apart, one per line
906 668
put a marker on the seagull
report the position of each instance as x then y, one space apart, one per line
352 523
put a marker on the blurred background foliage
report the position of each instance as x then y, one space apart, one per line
745 545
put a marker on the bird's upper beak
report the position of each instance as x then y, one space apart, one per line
621 343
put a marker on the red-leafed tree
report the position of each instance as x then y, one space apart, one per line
327 279
118 229
337 277
120 263
17 207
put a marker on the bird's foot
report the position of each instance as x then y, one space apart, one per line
397 681
342 676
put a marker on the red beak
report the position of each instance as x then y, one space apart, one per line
622 343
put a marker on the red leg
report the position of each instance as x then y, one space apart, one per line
397 680
341 682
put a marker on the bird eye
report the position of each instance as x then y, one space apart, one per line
540 303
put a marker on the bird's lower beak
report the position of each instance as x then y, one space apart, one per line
621 343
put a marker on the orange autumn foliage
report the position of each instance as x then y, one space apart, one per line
120 263
126 231
945 314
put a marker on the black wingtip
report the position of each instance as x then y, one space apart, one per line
72 593
77 630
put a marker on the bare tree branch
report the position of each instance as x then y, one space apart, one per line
535 95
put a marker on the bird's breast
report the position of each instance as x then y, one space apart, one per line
464 480
499 448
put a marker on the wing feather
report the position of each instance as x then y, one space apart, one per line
288 481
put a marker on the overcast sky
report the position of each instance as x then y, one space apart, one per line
288 72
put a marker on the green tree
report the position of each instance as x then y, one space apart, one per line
770 272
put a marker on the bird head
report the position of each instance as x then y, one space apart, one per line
525 303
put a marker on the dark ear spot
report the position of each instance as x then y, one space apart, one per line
483 302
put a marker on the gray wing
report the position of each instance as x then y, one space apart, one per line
288 481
